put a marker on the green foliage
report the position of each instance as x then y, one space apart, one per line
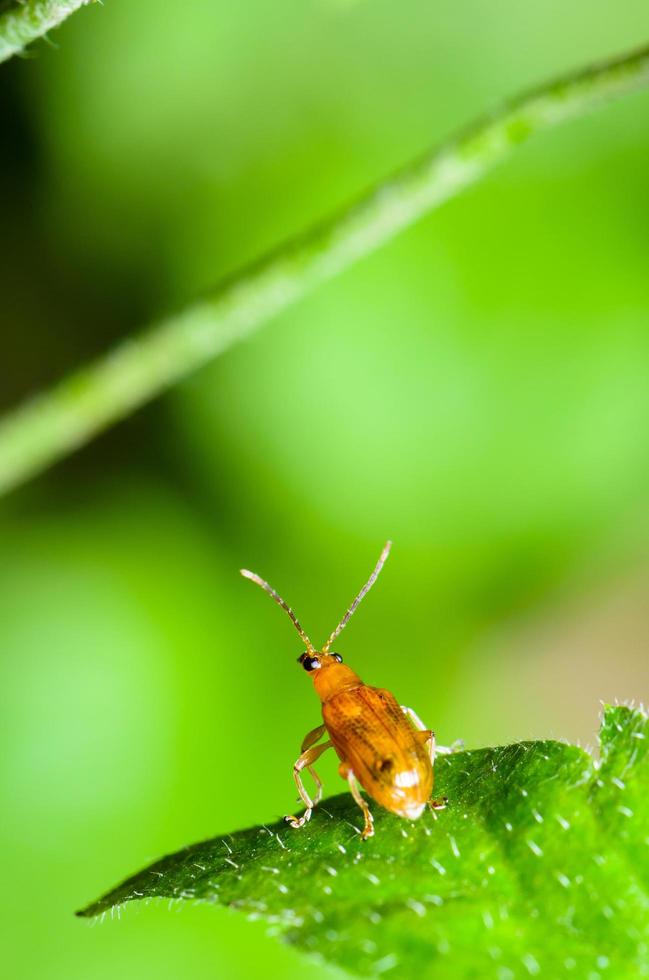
23 21
538 866
74 411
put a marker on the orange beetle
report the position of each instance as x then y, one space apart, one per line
381 745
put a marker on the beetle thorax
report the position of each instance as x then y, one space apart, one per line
332 677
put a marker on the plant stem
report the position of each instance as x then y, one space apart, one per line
30 19
57 422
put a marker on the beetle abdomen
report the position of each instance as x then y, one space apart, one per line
371 734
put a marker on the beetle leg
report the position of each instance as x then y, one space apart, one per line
318 785
431 744
368 829
306 761
427 737
438 804
312 737
419 725
429 740
414 717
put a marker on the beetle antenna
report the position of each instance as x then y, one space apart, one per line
361 595
280 602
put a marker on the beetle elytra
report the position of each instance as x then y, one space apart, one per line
383 747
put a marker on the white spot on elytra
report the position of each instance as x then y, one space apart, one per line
410 777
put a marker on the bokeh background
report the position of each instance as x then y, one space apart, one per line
478 391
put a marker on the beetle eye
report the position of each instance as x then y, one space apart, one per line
310 663
337 657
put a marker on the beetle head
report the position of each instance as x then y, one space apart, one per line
316 661
330 675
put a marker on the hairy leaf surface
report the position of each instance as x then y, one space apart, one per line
539 866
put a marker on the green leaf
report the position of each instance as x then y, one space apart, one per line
539 865
24 21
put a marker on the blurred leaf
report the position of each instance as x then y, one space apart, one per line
538 865
26 20
58 422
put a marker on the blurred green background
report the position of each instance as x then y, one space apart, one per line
478 391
